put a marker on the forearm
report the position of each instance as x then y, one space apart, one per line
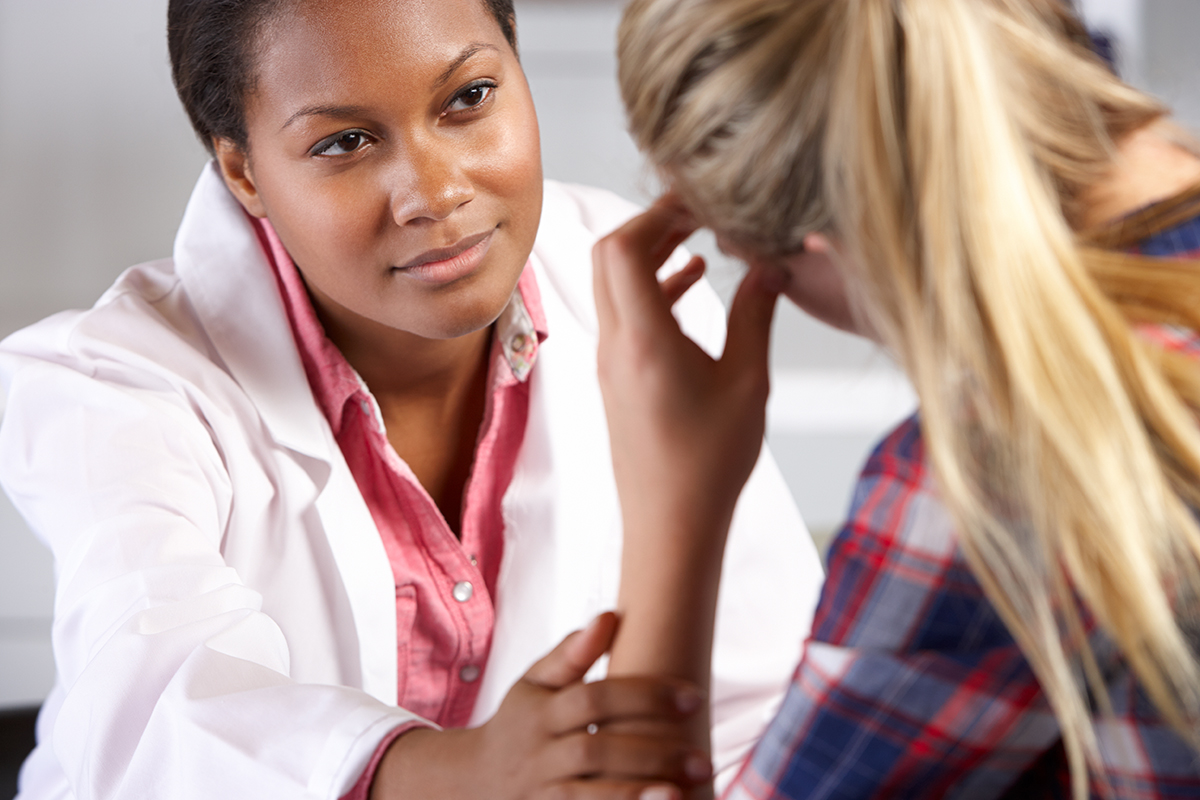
668 598
667 603
686 431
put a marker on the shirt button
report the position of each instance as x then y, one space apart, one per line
469 673
517 343
474 562
462 591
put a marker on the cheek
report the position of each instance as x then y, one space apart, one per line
512 158
328 224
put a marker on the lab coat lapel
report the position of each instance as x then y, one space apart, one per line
561 518
221 264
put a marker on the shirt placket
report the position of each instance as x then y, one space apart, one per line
455 578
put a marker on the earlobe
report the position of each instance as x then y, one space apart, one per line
818 243
235 169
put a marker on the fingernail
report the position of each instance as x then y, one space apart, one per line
688 699
697 767
658 793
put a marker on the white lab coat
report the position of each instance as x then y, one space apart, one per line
225 619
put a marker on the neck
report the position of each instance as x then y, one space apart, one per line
398 365
431 393
1150 165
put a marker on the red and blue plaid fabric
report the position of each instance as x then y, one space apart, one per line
911 686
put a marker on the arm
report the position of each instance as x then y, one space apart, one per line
771 572
176 682
165 661
686 433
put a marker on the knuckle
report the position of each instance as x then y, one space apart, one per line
554 791
590 702
754 386
606 248
587 752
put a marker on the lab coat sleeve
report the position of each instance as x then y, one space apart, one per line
174 683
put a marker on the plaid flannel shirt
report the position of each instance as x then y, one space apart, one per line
911 685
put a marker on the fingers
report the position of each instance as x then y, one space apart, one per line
613 699
625 262
749 334
624 756
676 285
609 790
574 656
658 230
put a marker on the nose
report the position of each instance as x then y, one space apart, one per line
431 182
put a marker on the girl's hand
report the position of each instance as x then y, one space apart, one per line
538 744
686 430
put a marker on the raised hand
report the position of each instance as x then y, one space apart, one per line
686 429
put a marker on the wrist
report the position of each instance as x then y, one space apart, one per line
421 762
687 525
670 575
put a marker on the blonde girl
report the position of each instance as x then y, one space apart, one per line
1011 605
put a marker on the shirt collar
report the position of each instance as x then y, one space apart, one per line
521 327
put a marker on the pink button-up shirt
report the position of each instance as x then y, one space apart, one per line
444 585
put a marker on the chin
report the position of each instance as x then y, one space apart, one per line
459 322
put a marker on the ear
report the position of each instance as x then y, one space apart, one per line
818 243
235 169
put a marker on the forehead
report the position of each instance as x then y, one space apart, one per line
335 48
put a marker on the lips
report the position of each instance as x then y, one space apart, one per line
447 264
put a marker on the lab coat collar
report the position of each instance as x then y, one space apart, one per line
221 263
225 272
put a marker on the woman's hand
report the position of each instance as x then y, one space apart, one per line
686 429
538 744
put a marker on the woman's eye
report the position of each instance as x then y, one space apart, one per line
341 144
471 97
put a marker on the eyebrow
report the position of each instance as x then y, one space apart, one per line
463 57
330 110
326 110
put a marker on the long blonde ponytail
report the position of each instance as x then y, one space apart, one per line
948 143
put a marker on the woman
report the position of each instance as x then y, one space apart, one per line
325 485
1011 605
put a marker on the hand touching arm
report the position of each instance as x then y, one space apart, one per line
556 736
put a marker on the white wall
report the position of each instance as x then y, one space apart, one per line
97 159
1122 20
96 163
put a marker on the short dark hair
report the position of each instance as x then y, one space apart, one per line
213 51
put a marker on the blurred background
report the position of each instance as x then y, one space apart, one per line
97 161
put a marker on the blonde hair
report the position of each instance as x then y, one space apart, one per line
947 144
